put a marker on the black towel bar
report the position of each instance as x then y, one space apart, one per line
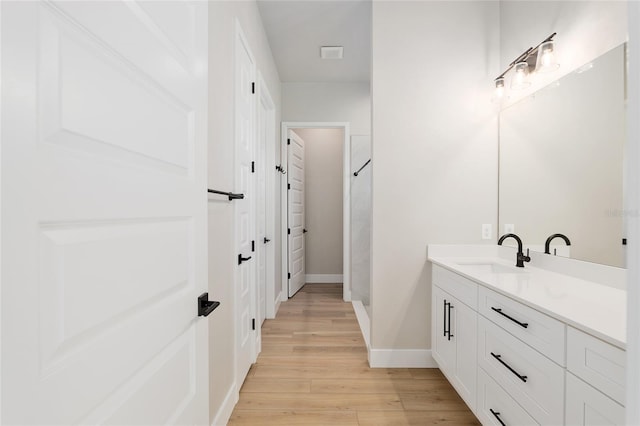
363 166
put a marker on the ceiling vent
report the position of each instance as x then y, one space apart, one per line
331 52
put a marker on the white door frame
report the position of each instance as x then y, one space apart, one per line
346 201
272 300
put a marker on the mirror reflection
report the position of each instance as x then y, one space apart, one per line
561 164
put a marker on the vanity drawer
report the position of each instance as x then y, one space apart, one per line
495 403
466 291
597 363
538 330
533 380
587 406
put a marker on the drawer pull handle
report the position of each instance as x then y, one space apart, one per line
499 358
497 416
521 324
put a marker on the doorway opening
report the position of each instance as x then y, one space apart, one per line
325 206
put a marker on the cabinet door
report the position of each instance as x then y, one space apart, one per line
443 347
586 406
464 332
454 339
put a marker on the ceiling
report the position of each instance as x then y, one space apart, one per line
297 29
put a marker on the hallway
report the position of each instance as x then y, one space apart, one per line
313 370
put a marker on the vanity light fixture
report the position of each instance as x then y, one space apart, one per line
541 58
520 79
546 61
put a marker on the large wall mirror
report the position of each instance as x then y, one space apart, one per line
561 163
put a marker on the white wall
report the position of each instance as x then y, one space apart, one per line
338 102
434 151
222 18
586 30
323 200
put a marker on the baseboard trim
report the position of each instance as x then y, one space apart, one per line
363 321
283 295
227 406
401 358
276 305
323 278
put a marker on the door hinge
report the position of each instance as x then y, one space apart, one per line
253 324
288 186
288 141
253 87
288 275
253 167
288 231
253 245
624 241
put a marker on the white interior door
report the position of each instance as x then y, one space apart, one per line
245 209
103 212
295 229
263 239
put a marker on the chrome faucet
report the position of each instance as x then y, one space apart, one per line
547 244
520 256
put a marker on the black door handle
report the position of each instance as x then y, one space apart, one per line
266 240
304 231
242 259
205 307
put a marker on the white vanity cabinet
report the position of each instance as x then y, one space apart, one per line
515 365
454 336
595 381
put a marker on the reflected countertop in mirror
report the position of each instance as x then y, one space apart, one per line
561 163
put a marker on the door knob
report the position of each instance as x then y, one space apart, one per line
242 259
304 231
205 307
266 240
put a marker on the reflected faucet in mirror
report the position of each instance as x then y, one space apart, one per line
520 256
547 244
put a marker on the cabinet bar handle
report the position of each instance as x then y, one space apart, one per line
497 416
444 319
521 324
449 322
498 357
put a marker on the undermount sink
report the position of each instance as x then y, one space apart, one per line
492 268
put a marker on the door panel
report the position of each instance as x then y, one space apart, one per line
245 209
261 246
103 214
296 212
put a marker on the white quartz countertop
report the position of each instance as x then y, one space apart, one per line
592 307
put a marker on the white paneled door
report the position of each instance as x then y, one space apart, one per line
263 240
245 208
296 229
103 212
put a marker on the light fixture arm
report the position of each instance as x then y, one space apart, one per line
525 55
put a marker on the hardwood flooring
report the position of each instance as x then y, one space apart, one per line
313 370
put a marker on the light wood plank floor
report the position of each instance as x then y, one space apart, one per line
313 370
